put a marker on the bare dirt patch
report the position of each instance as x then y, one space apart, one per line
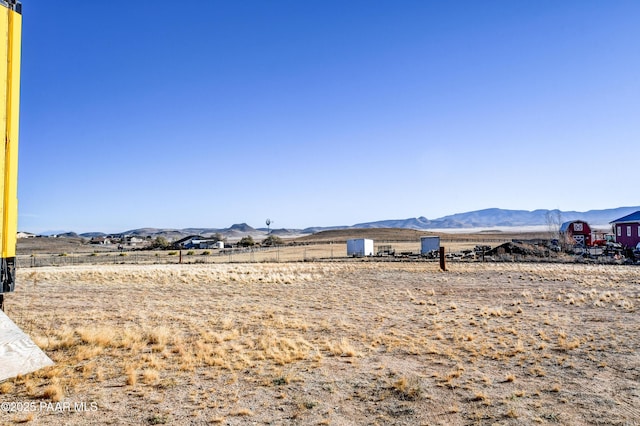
331 343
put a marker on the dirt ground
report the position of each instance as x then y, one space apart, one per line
333 343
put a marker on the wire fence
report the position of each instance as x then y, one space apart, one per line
258 254
326 251
287 253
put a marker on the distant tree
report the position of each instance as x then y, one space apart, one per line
160 243
554 222
272 240
247 241
218 237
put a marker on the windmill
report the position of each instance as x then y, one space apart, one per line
268 222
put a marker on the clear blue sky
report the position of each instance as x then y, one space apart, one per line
318 113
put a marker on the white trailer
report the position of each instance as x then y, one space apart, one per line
429 244
360 247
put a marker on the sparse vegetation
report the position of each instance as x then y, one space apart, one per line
246 241
272 240
160 243
320 343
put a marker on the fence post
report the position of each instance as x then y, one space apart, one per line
443 265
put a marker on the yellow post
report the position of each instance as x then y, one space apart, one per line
10 43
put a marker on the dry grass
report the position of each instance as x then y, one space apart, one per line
333 343
54 391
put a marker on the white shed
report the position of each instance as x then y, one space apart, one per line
360 247
429 244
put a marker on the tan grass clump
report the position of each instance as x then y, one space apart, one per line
408 389
54 391
284 350
101 336
341 348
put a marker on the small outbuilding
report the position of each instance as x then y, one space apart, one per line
360 247
429 244
627 230
576 233
195 242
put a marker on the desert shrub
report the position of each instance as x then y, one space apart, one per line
206 253
408 389
158 419
247 241
160 243
190 253
172 253
272 240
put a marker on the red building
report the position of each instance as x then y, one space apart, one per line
627 230
576 232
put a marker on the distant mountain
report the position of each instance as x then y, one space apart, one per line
68 235
600 217
314 229
168 233
93 234
235 231
487 218
53 232
282 232
241 227
414 223
501 217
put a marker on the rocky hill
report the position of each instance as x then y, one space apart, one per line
500 217
486 218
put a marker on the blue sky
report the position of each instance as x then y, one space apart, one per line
321 113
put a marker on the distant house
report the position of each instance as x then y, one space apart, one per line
196 242
103 240
132 240
627 230
184 243
576 233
